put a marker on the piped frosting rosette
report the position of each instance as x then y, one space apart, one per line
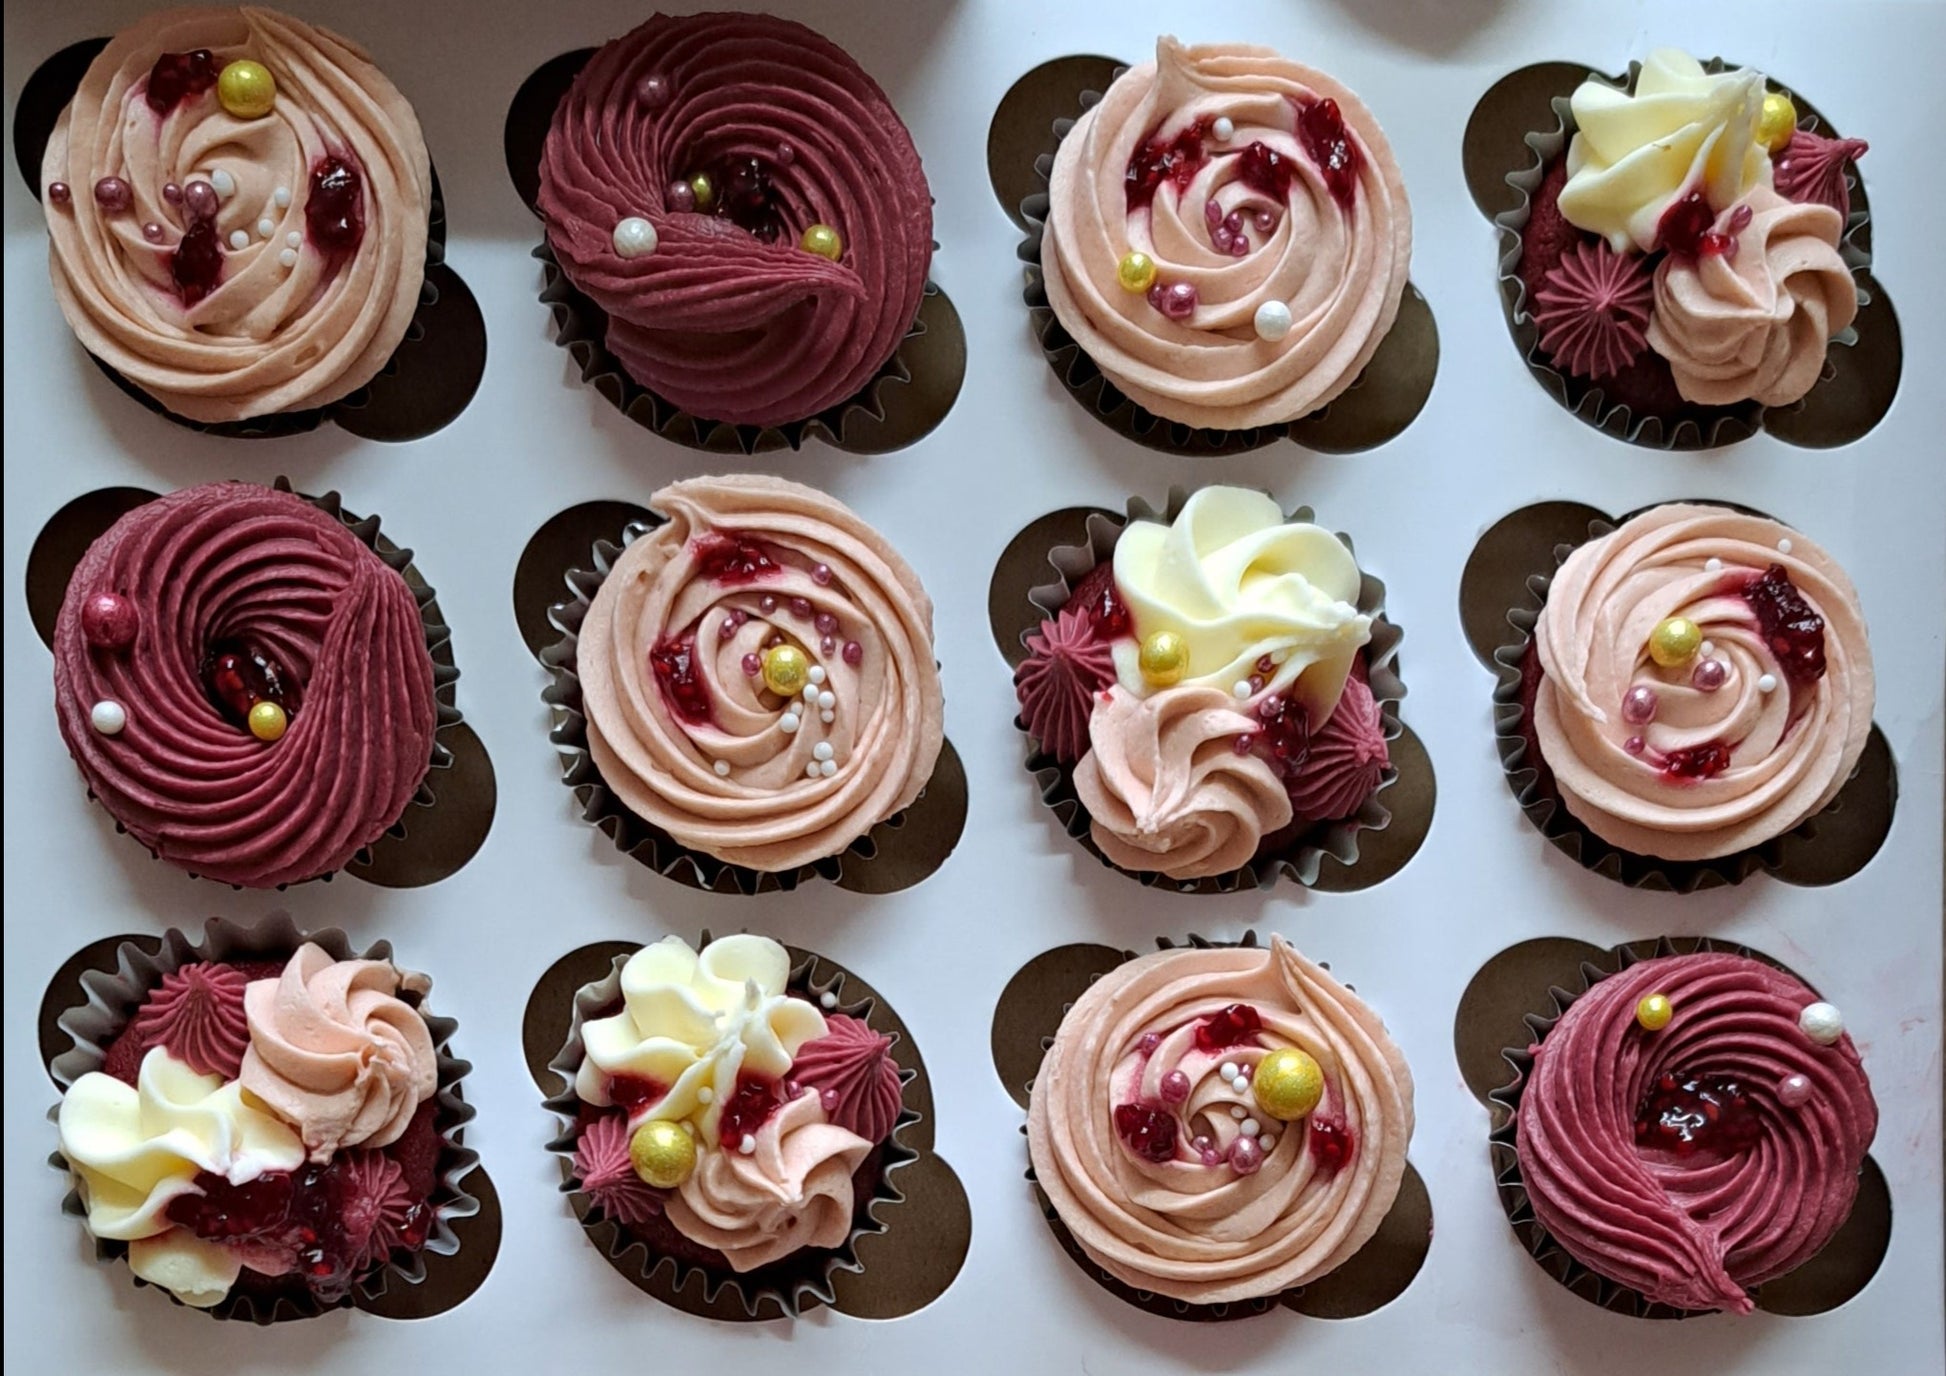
1693 1127
743 202
1220 1125
1707 682
1228 236
757 674
244 684
237 245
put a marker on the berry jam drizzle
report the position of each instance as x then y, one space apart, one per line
676 671
1228 1027
1331 1143
1176 159
178 76
238 674
732 559
746 1110
746 198
1792 630
196 263
1147 1131
1266 171
1321 129
1696 1114
1685 229
1283 738
632 1091
1095 594
334 212
1703 761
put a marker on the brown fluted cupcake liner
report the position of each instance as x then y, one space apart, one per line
1503 1148
110 1000
1692 425
1301 858
790 1285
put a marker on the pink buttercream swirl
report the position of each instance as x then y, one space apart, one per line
1791 739
607 1175
1695 1229
1337 261
1067 663
1347 757
1752 325
196 1014
1189 1225
1593 310
726 323
856 1078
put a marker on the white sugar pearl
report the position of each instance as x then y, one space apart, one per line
222 183
811 770
1241 689
266 227
282 196
1228 1070
1241 1084
1822 1023
1273 321
1268 1142
1767 683
828 999
817 673
108 717
827 699
294 239
747 1145
287 256
1708 649
705 1095
1225 129
1713 565
827 717
239 239
1236 1112
1250 1127
635 237
821 751
828 768
1784 545
722 768
788 723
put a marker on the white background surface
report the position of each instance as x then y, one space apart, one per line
535 441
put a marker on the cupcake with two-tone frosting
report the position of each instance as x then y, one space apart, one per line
237 206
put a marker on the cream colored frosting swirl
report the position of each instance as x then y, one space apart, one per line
691 1024
1202 1233
1166 789
666 660
1791 745
1681 130
336 1052
792 1190
1238 583
1753 325
1339 268
270 336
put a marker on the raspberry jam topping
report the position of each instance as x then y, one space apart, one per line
196 263
1322 131
746 198
754 1101
1266 171
1148 1132
1696 1114
732 559
1237 1023
1175 159
1095 593
1684 225
1703 761
1331 1143
1284 737
631 1091
1725 244
335 210
178 76
238 674
674 664
1793 631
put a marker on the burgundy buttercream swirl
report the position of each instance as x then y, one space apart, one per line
236 561
857 1081
1812 168
1347 758
716 320
1067 664
607 1176
1697 1230
375 1208
196 1014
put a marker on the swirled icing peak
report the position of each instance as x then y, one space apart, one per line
602 1166
1227 236
197 1013
1134 1139
1347 758
731 140
857 1080
1750 732
688 721
1697 1161
1812 169
336 1052
377 1208
1067 663
694 1030
1593 310
234 265
1680 131
236 564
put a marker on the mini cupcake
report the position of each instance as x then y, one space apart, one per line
1699 682
756 677
1691 1127
1227 237
237 204
245 683
742 205
1220 1125
260 1126
726 1115
1205 694
1679 261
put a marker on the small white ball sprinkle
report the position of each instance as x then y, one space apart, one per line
1241 1084
1242 689
1251 1127
1273 321
1708 649
287 256
1713 565
222 183
1822 1023
1767 683
1236 1112
827 999
810 696
705 1095
817 673
827 717
722 768
635 237
266 227
294 239
828 768
788 723
827 699
1268 1141
108 717
811 770
1228 1070
821 751
282 197
747 1145
1784 545
1225 129
239 239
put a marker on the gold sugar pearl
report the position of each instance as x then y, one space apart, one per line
823 240
1654 1012
268 722
1136 271
662 1153
1287 1083
1163 658
1777 122
246 89
786 670
1675 641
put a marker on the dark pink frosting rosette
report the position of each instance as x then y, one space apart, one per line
237 565
726 316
